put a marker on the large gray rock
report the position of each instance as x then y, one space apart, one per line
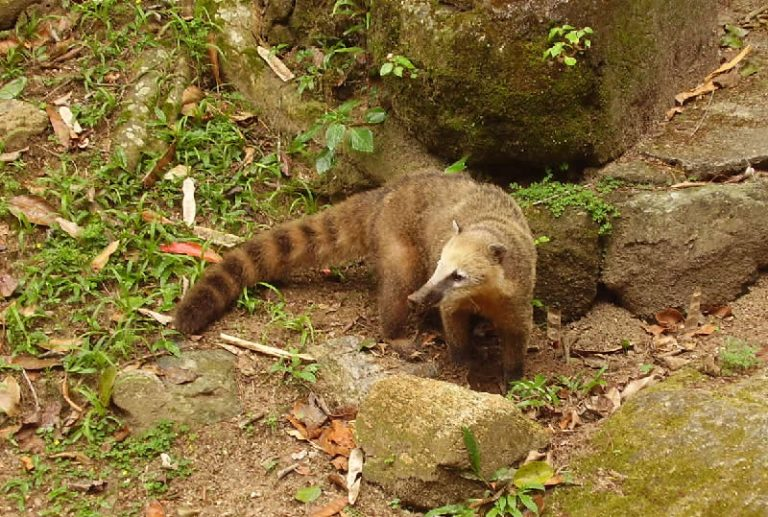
676 450
666 244
568 266
411 431
198 387
484 88
20 121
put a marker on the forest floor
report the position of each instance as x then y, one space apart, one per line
70 297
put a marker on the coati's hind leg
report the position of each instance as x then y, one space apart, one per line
457 327
400 273
514 329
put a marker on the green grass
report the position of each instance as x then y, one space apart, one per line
737 356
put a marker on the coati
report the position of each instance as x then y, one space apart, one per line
472 237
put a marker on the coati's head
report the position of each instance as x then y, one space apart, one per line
469 261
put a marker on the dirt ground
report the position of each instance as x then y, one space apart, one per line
228 475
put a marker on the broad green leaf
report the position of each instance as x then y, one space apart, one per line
324 161
404 61
398 71
13 88
347 107
361 139
535 473
307 494
570 61
106 381
529 503
472 449
334 135
457 166
375 116
459 510
386 69
572 37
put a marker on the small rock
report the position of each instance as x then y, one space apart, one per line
411 431
673 362
20 121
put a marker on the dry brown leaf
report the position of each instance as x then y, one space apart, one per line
72 229
191 94
655 330
340 463
570 419
669 318
7 44
706 330
309 413
274 62
61 345
557 479
13 155
29 362
722 312
7 432
148 216
34 208
634 386
27 463
100 260
673 363
59 126
614 396
73 455
303 470
178 172
671 112
730 64
163 319
704 88
216 237
331 508
8 285
355 474
10 396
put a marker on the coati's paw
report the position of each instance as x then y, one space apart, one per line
404 347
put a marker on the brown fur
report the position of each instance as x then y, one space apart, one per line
404 229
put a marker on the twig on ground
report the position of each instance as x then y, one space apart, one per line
287 470
264 349
704 116
65 394
31 388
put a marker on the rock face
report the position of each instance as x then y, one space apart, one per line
19 121
485 89
10 10
568 266
677 450
666 244
411 432
198 387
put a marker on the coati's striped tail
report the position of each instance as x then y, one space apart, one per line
337 234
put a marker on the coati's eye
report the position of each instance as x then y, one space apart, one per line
458 276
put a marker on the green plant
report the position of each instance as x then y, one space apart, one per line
341 130
733 37
578 384
399 66
296 369
533 393
457 166
737 356
541 239
557 197
566 42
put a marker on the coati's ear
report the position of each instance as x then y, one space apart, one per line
498 251
456 228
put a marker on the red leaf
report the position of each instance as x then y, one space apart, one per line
192 249
669 318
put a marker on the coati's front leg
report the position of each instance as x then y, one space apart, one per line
399 273
514 328
457 328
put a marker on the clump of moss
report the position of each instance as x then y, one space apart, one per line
737 356
557 196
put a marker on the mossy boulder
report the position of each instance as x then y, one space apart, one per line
411 431
485 89
676 449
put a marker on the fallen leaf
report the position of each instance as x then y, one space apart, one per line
178 172
274 62
69 119
555 480
121 434
29 362
192 94
702 89
64 100
340 463
706 330
7 44
307 494
72 229
533 473
59 126
634 386
188 205
730 64
570 420
309 414
303 470
13 155
163 319
148 216
192 249
337 439
50 417
673 363
614 396
10 396
35 209
6 433
8 285
61 345
722 312
669 318
671 112
29 440
355 474
72 455
100 260
331 508
27 463
655 330
94 486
